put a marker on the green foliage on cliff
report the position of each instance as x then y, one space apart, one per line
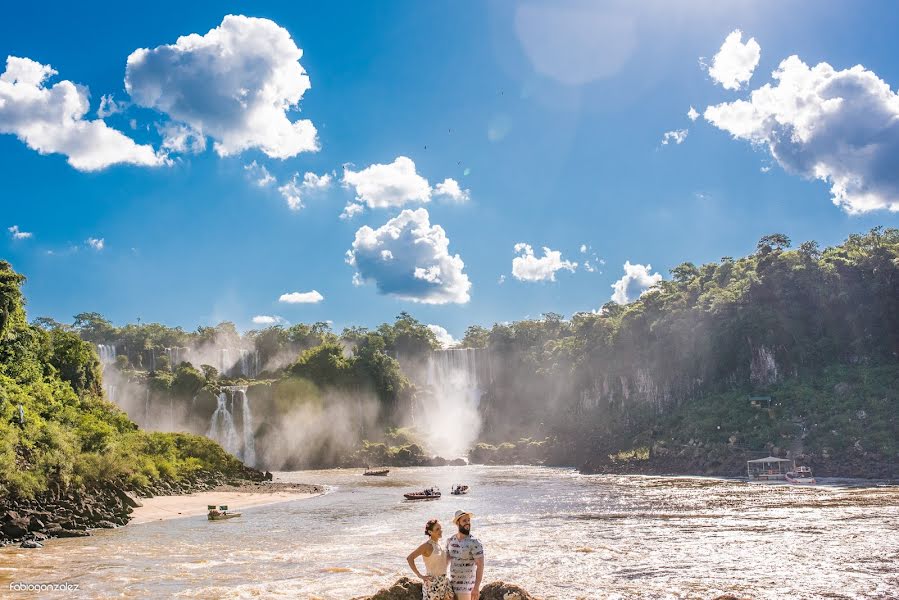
55 426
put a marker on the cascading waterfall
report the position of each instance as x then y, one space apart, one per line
449 413
223 429
107 354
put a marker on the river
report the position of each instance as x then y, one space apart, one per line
555 532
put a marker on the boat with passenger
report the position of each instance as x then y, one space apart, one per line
459 490
770 469
376 472
800 476
432 493
221 513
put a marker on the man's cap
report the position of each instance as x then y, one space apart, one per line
460 514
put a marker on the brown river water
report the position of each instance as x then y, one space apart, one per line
555 532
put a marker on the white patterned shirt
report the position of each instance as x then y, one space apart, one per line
463 568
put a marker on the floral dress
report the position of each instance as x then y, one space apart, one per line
437 588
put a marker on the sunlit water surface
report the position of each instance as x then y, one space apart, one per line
555 532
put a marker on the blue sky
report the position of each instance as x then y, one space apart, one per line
550 117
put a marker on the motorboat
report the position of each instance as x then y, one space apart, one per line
800 476
432 493
376 472
220 514
459 490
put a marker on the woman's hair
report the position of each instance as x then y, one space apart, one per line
429 527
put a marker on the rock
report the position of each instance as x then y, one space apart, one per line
129 499
106 525
31 544
457 462
16 528
407 589
64 533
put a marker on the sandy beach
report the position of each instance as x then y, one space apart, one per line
191 505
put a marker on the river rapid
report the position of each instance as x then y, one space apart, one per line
555 532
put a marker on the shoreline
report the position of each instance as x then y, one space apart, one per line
164 508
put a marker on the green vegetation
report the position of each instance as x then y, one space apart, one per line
55 427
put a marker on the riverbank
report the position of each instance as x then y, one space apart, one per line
236 497
75 512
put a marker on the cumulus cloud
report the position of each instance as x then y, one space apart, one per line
637 280
109 106
96 243
351 210
528 267
51 120
259 174
692 114
735 62
443 336
294 190
18 234
450 188
312 297
235 84
180 138
419 266
677 136
268 320
817 122
386 186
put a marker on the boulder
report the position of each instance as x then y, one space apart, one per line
16 528
31 544
106 525
407 589
65 533
498 590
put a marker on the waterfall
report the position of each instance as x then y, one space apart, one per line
107 354
222 428
249 441
147 409
110 392
448 414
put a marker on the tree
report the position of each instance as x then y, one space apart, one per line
684 273
475 337
774 241
94 327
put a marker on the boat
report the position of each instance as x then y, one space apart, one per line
800 476
769 470
432 493
376 472
459 490
220 514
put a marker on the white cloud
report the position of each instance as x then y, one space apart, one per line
420 268
692 114
583 248
636 281
259 174
312 297
351 210
837 126
235 84
450 188
180 138
677 136
443 336
51 120
528 267
268 320
294 190
735 61
109 106
96 243
18 234
501 280
386 186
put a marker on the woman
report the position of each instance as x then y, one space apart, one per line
435 585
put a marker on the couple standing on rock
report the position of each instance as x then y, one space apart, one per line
463 557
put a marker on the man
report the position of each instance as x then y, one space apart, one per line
466 556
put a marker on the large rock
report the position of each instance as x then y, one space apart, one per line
407 589
16 528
